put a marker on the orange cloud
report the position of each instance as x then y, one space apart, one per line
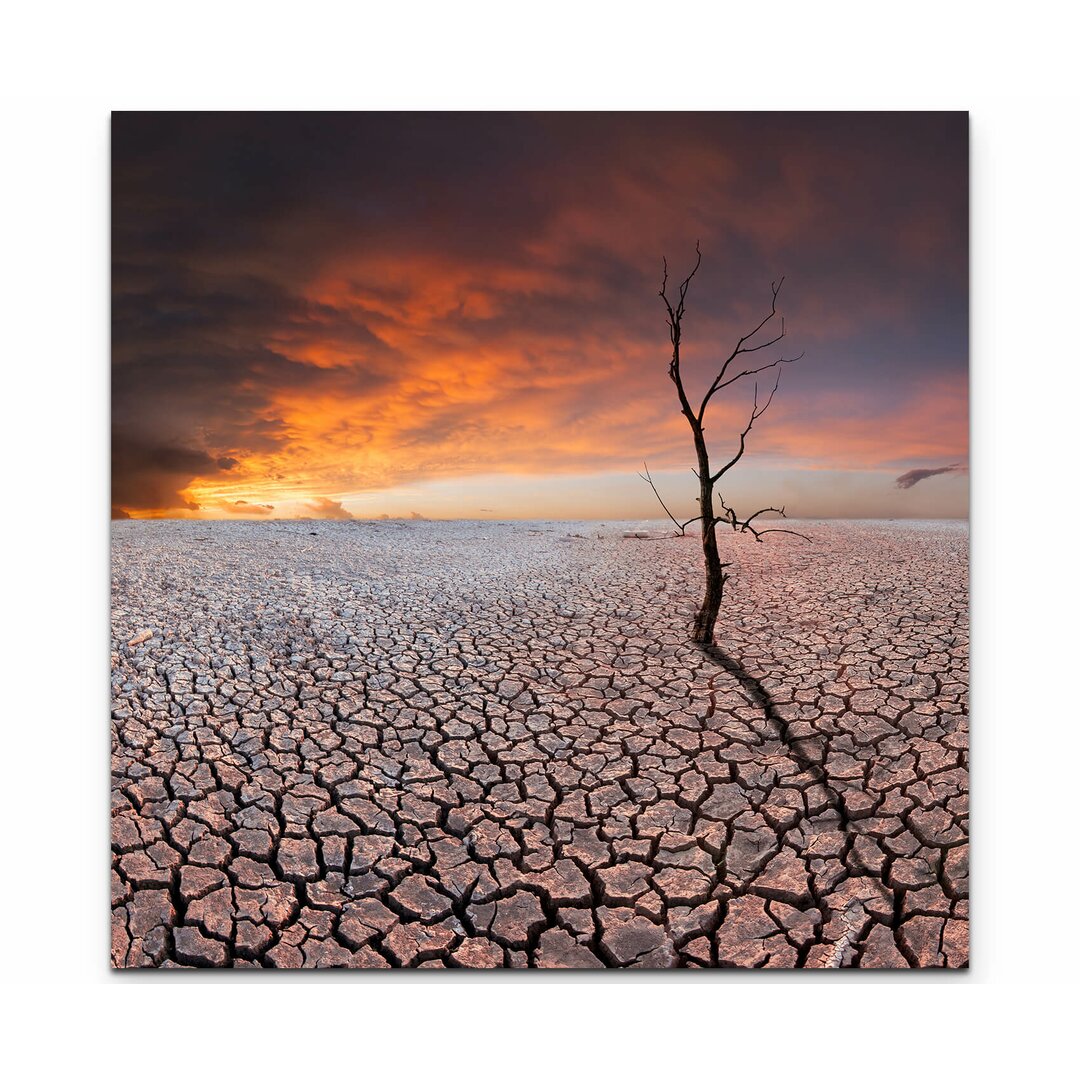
327 508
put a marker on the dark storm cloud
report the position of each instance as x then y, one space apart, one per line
166 400
151 475
913 476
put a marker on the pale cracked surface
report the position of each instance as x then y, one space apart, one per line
355 744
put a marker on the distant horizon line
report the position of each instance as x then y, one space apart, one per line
494 521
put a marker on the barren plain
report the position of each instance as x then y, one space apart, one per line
459 744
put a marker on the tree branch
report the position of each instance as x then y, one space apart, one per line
764 510
675 316
742 348
755 413
758 370
729 513
681 526
746 526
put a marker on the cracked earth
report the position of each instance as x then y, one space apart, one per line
448 744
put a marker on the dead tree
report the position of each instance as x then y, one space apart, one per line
716 575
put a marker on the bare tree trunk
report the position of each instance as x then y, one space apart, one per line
705 623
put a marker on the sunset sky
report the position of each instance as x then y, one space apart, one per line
456 315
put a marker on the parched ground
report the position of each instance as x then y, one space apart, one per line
384 744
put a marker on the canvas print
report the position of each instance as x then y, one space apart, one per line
539 541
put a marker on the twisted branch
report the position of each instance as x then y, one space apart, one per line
681 526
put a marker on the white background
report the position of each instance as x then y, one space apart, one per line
65 66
